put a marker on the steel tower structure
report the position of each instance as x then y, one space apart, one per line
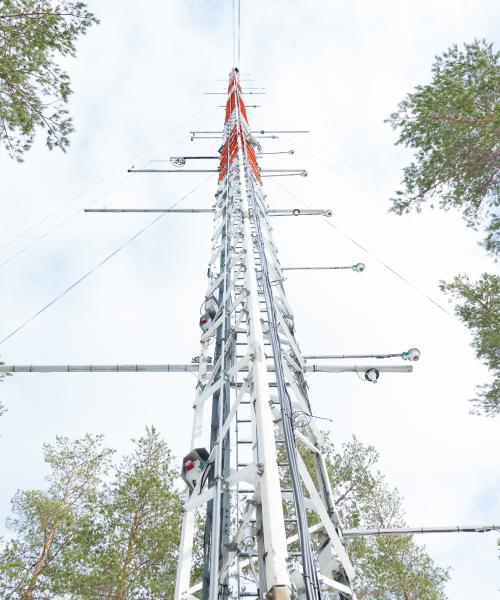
263 480
271 531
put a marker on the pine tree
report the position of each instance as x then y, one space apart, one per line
137 528
44 523
388 567
34 35
86 539
479 308
453 124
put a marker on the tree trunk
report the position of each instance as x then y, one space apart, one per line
42 560
39 565
123 585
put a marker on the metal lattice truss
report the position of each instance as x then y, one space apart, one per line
265 481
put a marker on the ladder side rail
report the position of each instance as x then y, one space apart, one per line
218 517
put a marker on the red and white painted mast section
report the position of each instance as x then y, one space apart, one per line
235 128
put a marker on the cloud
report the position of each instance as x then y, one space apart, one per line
337 69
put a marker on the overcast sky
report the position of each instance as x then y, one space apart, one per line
338 69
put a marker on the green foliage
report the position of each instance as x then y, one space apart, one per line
87 539
388 567
478 306
46 522
453 124
136 529
34 34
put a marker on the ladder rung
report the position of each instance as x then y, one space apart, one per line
244 442
243 420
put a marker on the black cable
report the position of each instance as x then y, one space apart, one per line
204 476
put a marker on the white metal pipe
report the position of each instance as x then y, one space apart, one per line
334 356
261 132
225 93
414 530
99 368
182 170
149 210
316 368
271 211
314 268
188 368
182 579
132 170
287 212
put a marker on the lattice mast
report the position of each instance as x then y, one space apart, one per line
263 475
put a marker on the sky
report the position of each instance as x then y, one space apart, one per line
337 69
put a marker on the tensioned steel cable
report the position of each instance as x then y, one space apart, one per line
379 260
102 262
59 225
465 250
103 178
58 209
80 210
76 213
